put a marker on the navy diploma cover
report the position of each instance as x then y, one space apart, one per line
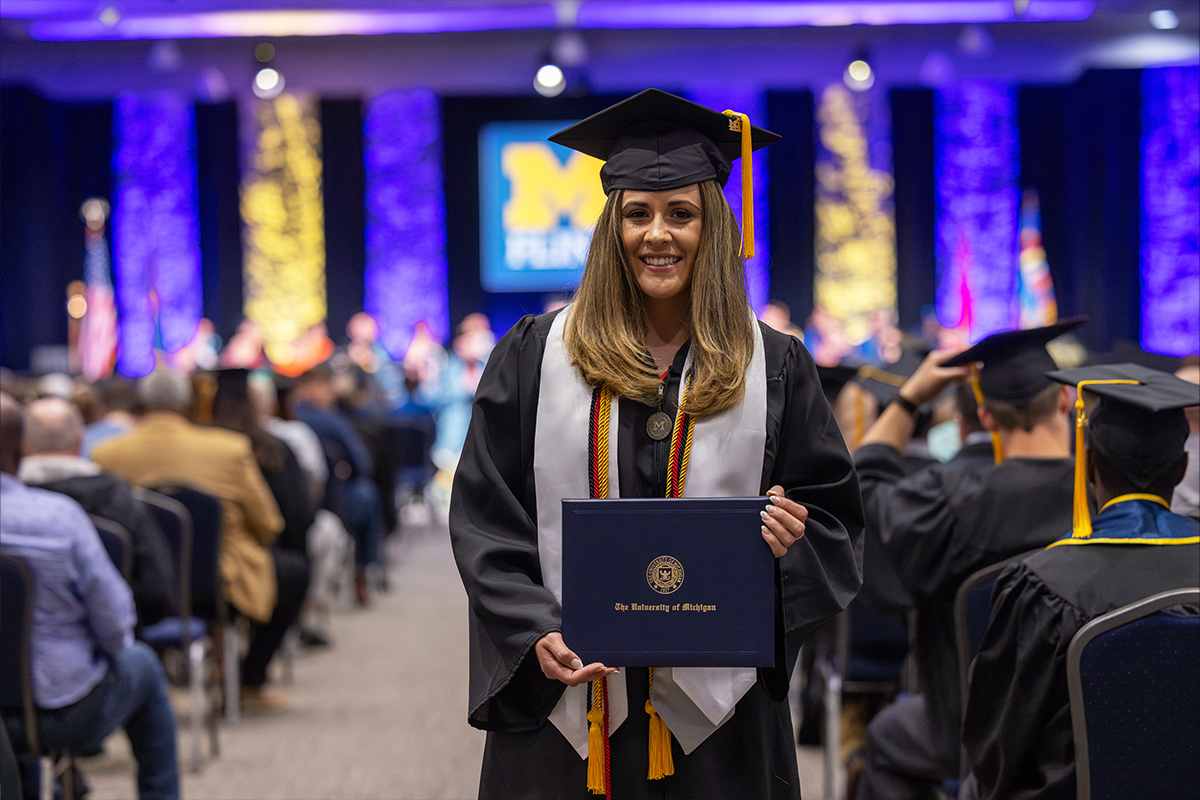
680 582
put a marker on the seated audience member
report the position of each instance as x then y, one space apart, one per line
1017 730
945 522
166 448
316 405
117 406
53 436
1187 493
233 410
298 436
90 676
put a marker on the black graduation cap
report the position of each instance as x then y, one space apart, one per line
884 381
834 378
233 383
1138 425
1015 363
655 141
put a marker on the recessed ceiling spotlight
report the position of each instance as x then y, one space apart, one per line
859 76
549 81
268 83
1164 19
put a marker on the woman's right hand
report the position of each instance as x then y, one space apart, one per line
560 664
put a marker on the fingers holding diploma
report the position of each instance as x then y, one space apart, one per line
559 663
783 521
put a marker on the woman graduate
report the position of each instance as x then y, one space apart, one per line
659 348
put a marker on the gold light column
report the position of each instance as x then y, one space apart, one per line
284 217
856 229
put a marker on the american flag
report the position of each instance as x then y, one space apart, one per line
98 331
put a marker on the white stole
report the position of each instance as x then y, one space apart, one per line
726 461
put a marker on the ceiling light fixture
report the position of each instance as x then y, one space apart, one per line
1164 19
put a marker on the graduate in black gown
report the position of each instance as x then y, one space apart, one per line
660 321
943 523
1017 729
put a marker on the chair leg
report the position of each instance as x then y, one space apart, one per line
833 735
196 688
45 778
233 683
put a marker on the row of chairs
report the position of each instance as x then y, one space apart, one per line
1135 703
189 644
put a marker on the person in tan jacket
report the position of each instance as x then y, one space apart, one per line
265 584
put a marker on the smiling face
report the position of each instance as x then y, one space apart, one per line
661 234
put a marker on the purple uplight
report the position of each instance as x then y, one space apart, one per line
156 227
1171 210
406 279
51 22
976 166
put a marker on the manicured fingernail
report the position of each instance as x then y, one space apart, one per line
776 499
576 663
765 531
765 515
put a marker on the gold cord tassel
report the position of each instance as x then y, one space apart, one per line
743 123
661 762
596 772
997 445
1082 522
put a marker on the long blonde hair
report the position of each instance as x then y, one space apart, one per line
605 335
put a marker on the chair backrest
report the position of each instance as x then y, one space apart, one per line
208 600
176 524
1135 700
972 612
117 542
16 622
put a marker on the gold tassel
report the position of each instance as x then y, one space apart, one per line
743 125
1082 520
661 762
1082 523
997 445
595 771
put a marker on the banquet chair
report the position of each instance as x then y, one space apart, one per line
1135 700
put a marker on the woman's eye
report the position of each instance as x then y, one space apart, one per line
681 214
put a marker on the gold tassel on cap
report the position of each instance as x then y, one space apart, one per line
741 122
997 445
661 762
1082 518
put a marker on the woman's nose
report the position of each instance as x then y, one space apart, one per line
658 231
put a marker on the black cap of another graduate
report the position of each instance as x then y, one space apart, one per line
1015 363
884 381
655 141
1139 427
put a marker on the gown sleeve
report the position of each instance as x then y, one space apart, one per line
493 531
880 467
1017 728
822 572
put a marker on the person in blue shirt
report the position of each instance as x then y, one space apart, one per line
89 675
1017 727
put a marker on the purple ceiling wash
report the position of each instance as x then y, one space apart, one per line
976 169
156 227
1171 210
406 273
748 102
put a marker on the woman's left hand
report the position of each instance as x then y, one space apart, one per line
783 521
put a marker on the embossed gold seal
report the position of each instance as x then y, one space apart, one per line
665 574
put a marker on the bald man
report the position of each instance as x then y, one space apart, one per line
53 441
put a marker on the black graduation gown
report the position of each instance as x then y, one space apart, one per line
1017 731
944 523
494 534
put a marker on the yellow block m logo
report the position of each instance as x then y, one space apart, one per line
544 189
